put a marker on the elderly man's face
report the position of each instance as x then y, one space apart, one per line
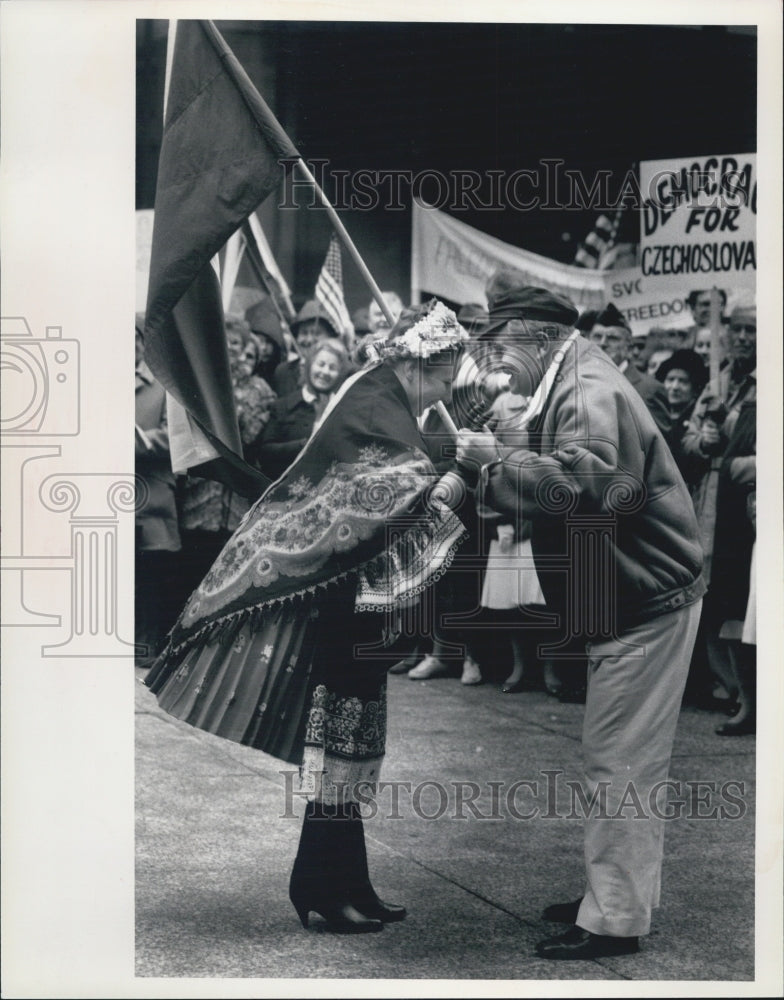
613 340
520 355
743 334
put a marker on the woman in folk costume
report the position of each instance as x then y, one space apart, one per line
282 646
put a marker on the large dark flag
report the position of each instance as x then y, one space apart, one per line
221 155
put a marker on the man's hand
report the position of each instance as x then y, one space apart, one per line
476 448
710 437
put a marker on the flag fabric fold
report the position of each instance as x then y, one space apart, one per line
222 153
329 289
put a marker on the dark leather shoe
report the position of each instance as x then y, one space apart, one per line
746 726
578 944
562 913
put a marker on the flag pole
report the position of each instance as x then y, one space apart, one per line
715 329
342 232
272 128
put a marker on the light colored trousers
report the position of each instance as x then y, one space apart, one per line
631 712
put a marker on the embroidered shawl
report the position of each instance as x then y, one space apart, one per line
357 499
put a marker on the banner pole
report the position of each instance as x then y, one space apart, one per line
715 329
342 232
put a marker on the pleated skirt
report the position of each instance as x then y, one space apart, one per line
307 686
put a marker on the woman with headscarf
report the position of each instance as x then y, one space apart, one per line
281 647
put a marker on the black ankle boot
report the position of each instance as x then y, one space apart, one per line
362 894
319 881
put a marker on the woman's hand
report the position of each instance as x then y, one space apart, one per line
476 448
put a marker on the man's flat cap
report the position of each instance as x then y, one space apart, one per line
510 298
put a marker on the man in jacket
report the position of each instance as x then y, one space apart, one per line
616 548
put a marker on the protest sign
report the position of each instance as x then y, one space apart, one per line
698 223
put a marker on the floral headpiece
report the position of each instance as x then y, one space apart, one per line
437 330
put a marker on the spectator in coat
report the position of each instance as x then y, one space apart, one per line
157 531
705 443
732 556
312 326
612 334
295 415
683 376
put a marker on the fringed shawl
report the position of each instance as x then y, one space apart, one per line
357 500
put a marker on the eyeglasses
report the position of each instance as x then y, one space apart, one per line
743 327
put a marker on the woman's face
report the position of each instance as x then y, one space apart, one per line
702 345
324 371
434 380
679 388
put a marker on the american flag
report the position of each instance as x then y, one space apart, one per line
598 242
329 289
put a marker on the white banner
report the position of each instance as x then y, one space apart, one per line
455 260
698 223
